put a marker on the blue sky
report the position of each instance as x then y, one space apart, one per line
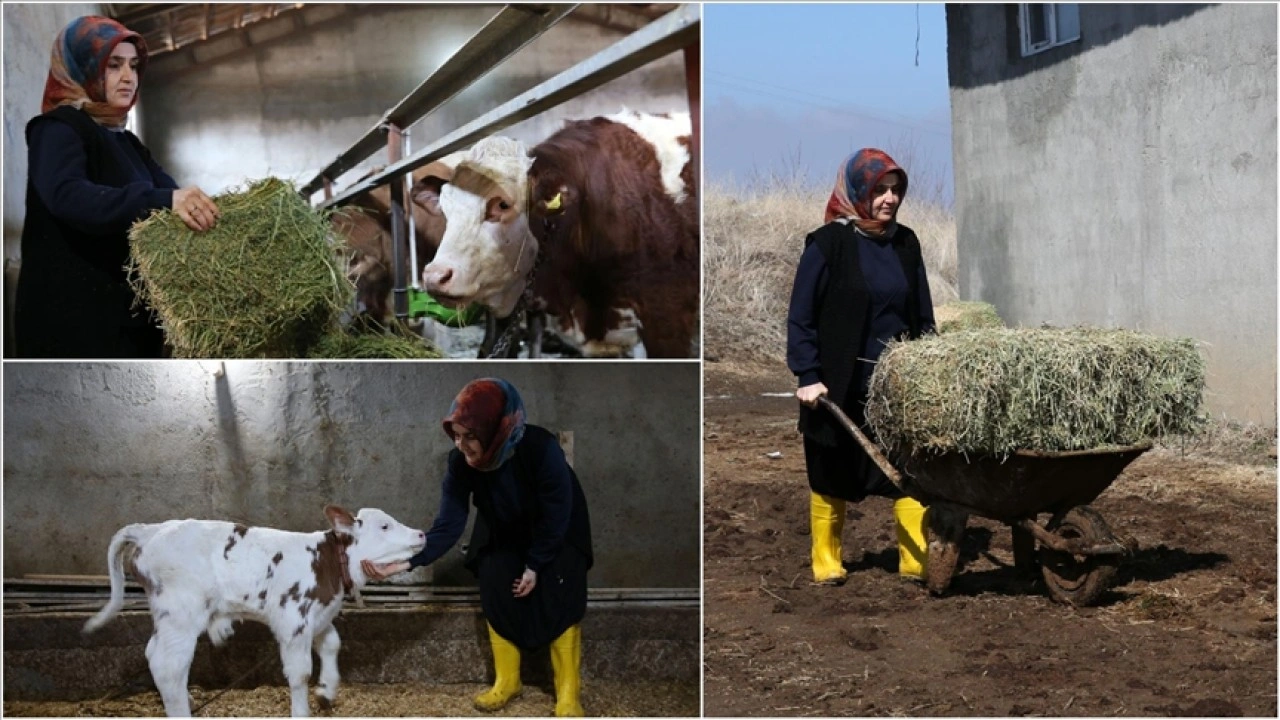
792 89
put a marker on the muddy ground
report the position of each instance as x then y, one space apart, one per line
1189 627
603 698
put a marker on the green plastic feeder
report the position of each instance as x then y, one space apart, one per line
421 304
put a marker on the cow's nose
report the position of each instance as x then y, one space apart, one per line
436 277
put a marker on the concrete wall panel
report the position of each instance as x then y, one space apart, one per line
91 447
1128 179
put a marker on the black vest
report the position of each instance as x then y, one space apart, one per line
73 299
843 312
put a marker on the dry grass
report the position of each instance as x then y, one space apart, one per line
752 241
1229 440
960 315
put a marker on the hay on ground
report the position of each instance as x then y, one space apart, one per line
263 282
358 342
966 315
997 390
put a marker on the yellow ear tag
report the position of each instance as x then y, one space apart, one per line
553 203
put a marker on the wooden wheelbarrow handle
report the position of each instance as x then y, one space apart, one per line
874 452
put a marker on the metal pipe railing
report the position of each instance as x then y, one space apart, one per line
514 27
672 32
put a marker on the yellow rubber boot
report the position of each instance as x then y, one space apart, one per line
913 547
826 525
506 669
566 664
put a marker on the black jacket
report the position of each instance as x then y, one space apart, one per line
73 300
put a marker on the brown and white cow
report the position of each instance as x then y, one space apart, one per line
611 205
201 576
365 226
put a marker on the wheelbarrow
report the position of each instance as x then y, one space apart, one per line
1076 552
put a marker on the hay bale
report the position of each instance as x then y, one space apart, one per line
264 282
993 391
966 315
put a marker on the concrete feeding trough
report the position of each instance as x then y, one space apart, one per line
648 636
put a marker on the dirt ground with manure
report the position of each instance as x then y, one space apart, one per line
1188 628
600 698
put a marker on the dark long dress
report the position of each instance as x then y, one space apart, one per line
531 512
86 185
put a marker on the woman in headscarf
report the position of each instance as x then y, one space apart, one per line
88 180
531 546
860 282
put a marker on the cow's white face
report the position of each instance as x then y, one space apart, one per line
487 251
378 537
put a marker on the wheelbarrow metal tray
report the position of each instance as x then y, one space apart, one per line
1021 485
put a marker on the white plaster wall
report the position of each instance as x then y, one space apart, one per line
288 106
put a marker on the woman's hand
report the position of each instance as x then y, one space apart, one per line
809 394
382 571
195 208
524 586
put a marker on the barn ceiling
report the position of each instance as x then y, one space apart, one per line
173 26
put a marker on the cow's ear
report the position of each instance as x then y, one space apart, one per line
426 194
340 519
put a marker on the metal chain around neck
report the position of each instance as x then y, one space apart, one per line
526 299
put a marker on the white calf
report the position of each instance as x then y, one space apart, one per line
203 575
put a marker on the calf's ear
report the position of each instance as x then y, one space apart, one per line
341 520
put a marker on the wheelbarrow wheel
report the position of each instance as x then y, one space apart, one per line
1078 580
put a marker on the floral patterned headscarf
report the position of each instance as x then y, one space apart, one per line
851 198
493 410
78 68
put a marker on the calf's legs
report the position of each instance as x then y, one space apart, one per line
326 644
169 653
295 655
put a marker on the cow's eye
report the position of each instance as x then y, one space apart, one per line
504 205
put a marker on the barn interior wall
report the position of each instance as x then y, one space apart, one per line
90 448
29 31
287 106
1126 180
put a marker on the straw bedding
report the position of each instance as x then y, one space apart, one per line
600 698
996 390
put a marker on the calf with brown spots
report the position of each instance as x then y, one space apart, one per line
201 576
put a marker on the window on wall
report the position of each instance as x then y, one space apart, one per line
1047 26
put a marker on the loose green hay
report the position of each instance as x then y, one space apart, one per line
400 343
993 391
263 282
966 315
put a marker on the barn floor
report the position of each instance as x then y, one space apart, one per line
603 698
1189 627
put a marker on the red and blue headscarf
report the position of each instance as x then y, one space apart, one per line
78 68
492 409
858 177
